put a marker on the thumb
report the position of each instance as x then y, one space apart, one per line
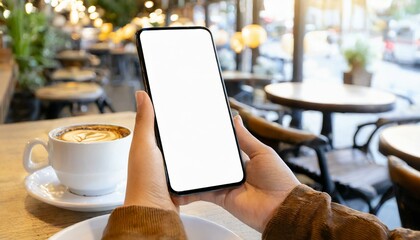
248 143
144 127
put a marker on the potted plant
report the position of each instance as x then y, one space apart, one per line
33 45
358 59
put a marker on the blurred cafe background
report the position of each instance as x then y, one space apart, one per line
325 67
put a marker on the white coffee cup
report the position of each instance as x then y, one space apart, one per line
87 165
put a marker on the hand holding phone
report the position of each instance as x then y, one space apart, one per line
194 128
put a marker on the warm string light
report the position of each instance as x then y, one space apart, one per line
149 4
106 28
174 17
251 36
6 14
74 17
98 22
221 37
78 12
94 15
128 31
54 3
254 35
237 42
91 9
29 8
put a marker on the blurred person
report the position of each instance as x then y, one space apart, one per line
272 200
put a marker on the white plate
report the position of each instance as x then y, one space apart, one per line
45 186
196 228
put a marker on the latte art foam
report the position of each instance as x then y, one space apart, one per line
90 136
95 133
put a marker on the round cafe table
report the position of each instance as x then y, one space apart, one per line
328 98
77 58
73 74
402 141
68 94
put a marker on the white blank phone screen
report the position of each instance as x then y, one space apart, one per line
192 115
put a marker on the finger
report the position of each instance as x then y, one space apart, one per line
144 165
144 127
245 157
248 143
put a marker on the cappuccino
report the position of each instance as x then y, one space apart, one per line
89 159
91 133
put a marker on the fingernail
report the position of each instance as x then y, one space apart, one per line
139 98
238 118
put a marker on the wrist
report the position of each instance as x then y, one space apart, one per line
274 202
152 203
267 213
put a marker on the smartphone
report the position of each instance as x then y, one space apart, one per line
194 127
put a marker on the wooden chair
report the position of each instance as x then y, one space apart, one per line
272 114
406 181
379 124
344 174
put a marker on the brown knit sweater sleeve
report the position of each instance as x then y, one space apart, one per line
137 222
309 214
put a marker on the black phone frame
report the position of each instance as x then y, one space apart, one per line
157 134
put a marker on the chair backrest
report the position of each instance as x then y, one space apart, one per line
272 131
235 104
406 182
284 140
379 124
339 173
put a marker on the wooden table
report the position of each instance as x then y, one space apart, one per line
329 98
71 94
402 141
23 217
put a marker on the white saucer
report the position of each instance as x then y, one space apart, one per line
196 228
45 186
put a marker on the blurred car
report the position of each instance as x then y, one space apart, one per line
403 45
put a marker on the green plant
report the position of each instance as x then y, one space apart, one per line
360 55
119 13
24 30
33 44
